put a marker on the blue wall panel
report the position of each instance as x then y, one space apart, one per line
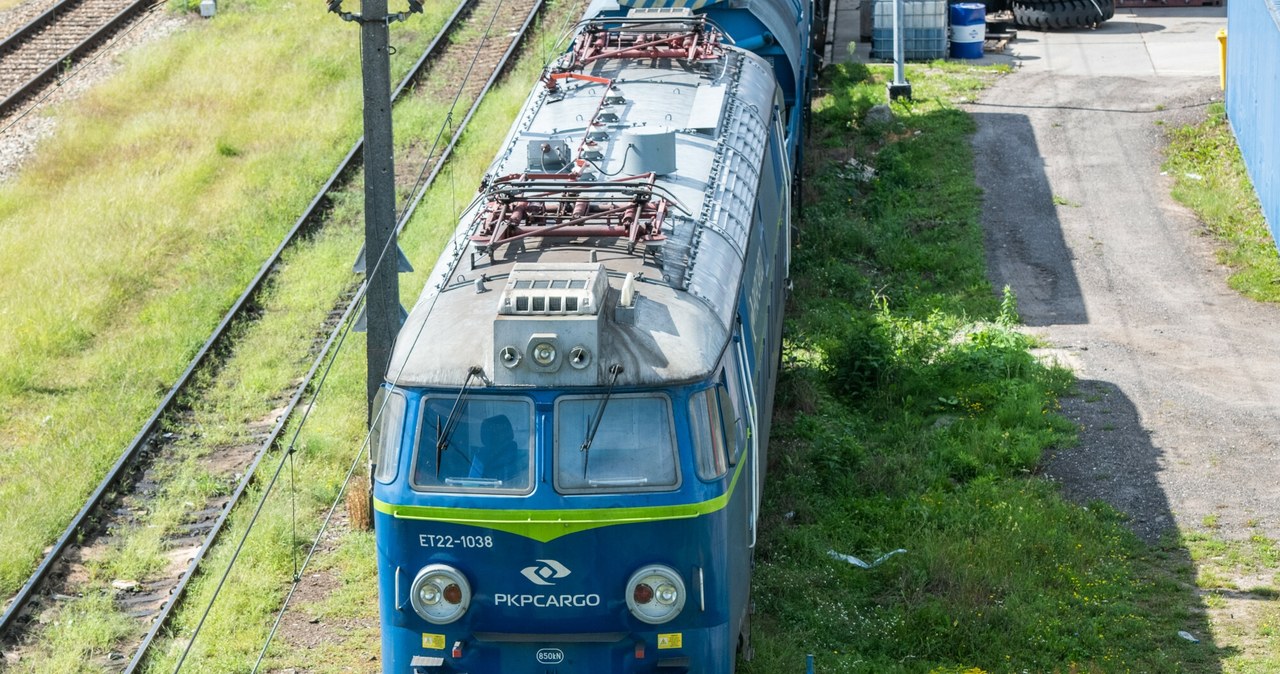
1253 96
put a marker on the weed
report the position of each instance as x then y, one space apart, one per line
923 423
147 212
240 620
1211 179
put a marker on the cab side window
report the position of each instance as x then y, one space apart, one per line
384 434
732 409
709 440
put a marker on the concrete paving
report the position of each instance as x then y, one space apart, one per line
1138 42
1180 404
1181 408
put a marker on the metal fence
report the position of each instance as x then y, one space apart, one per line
1253 96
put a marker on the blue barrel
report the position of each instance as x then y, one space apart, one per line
968 29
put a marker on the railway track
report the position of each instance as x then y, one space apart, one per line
127 494
33 56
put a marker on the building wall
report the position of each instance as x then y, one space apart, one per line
1253 96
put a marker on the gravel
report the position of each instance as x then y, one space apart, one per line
21 14
1178 381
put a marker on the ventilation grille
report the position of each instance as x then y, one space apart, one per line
554 290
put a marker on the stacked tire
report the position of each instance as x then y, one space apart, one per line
1046 14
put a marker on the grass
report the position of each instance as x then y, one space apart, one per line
1210 178
1240 583
135 227
911 415
270 353
238 625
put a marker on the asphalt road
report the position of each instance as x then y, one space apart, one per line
1180 384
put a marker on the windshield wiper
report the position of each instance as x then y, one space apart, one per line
443 435
614 370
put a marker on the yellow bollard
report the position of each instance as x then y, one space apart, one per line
1222 62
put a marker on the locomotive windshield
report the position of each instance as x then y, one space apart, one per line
488 447
633 449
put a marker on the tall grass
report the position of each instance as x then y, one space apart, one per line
1210 178
135 227
242 615
912 416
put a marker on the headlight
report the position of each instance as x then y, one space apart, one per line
544 353
655 594
440 594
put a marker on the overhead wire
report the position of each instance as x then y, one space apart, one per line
376 416
262 501
448 119
300 569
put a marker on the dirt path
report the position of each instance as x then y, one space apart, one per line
1180 384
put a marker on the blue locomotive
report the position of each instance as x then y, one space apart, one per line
570 453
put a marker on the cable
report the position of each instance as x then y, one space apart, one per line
620 168
270 484
448 120
364 445
324 526
360 296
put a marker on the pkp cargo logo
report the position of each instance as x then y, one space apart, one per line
549 656
544 572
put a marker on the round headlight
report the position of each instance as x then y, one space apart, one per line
655 594
510 356
440 594
544 353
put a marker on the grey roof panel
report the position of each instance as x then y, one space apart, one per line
674 331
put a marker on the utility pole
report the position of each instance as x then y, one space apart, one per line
382 296
899 87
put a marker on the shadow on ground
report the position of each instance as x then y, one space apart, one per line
1025 247
1115 465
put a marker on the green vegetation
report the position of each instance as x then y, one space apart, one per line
911 415
1240 583
129 235
1210 178
238 625
271 353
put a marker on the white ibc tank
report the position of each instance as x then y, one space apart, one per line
924 30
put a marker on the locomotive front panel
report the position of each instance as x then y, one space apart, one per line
567 605
630 556
567 478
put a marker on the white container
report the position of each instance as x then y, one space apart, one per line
924 30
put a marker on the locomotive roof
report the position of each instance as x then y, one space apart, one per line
784 20
593 144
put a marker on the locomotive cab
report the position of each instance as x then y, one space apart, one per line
569 456
597 531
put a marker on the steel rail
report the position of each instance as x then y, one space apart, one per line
245 481
48 18
475 105
36 24
353 303
118 470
